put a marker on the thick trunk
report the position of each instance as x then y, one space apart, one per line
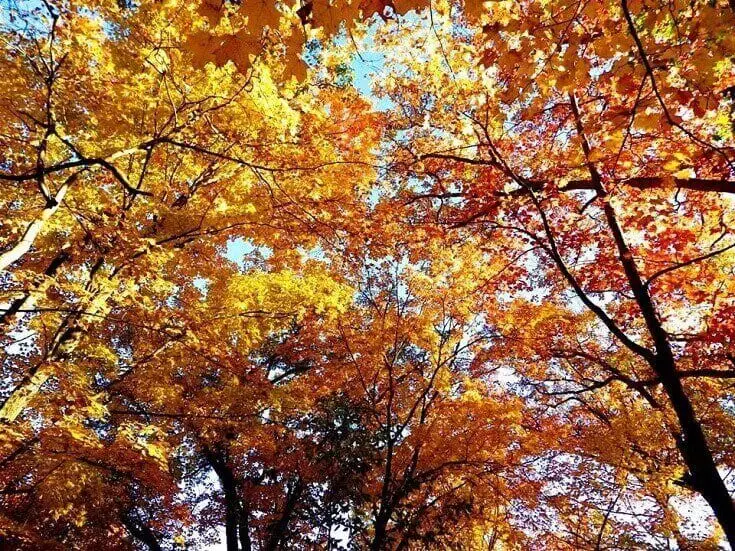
62 347
704 476
696 452
697 455
379 535
233 523
141 532
34 228
27 300
280 528
246 543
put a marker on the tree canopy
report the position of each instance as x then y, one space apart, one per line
375 274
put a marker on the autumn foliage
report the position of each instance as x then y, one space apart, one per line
367 274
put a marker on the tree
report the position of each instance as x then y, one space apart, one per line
440 451
241 297
572 150
103 283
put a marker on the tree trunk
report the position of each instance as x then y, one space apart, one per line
278 530
246 543
697 455
27 300
141 532
34 228
381 525
62 347
218 462
704 476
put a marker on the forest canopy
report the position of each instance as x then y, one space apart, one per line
367 274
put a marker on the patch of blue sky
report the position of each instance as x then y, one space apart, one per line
367 66
202 285
375 195
245 253
314 253
173 299
25 17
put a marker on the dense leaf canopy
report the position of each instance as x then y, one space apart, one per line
376 274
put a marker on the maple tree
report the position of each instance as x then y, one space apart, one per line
487 305
610 175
